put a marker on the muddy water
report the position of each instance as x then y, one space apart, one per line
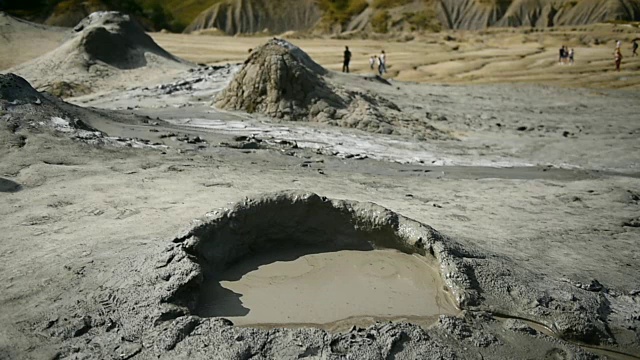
328 289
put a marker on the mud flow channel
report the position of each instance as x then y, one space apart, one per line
327 289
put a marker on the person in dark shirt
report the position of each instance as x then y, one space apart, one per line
347 59
561 55
634 47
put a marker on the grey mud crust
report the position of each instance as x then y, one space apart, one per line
505 311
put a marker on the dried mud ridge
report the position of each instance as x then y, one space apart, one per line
25 112
24 108
156 316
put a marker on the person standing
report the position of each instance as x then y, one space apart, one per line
372 61
572 53
347 60
382 63
618 58
561 55
634 47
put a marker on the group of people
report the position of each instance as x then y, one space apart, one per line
379 60
566 56
617 54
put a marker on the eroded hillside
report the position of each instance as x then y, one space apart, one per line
333 16
382 16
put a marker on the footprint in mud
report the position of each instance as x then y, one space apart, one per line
59 204
632 223
36 220
125 213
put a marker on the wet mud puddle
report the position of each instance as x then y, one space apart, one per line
331 290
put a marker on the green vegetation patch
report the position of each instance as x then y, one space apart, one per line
380 21
425 20
387 4
185 11
341 11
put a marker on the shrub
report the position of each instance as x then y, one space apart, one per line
380 21
341 11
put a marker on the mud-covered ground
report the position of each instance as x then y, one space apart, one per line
536 196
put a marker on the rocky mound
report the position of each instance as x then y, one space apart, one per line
246 17
16 89
25 112
104 44
281 81
22 106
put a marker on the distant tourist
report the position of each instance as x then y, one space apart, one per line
618 44
372 61
347 59
634 47
562 54
618 58
382 63
572 53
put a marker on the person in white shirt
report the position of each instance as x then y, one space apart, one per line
571 55
382 63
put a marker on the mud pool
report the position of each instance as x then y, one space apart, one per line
327 289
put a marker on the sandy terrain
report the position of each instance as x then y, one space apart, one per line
22 41
534 200
462 57
493 56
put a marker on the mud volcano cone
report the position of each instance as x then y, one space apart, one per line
105 45
282 81
117 40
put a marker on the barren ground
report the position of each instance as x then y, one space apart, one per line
492 56
541 179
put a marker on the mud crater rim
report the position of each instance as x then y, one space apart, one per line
311 225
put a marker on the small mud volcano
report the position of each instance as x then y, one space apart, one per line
301 259
103 45
116 39
281 81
